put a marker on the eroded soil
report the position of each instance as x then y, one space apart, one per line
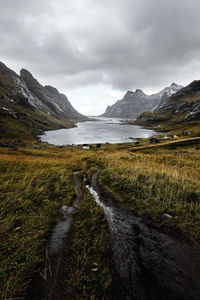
149 264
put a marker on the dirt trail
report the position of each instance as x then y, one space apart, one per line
150 265
49 283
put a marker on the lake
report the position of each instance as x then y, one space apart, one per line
101 130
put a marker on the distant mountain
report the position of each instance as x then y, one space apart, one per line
134 103
28 108
180 108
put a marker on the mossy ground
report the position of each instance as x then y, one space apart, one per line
150 179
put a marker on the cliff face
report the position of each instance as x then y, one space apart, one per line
134 103
180 108
28 107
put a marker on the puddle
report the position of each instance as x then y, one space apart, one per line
67 209
109 211
59 234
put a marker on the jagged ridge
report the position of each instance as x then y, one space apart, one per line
134 103
181 107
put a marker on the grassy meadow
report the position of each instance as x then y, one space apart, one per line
32 188
157 179
36 180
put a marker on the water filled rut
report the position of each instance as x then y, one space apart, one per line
150 265
49 283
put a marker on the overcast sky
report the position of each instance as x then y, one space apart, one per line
96 50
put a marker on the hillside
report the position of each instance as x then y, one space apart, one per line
27 108
182 110
134 103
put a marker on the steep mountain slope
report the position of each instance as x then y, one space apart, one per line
27 108
50 100
181 108
134 103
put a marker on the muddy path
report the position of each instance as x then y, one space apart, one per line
49 282
149 265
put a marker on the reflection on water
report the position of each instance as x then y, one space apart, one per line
102 130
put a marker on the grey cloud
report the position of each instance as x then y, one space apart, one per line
125 44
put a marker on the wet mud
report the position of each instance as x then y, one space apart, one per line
149 264
49 282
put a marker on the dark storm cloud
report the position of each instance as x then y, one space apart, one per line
124 44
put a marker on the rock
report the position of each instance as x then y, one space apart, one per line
166 216
4 145
13 149
36 146
154 140
183 152
131 154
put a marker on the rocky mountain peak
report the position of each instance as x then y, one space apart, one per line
3 66
173 84
28 78
26 91
134 103
194 85
4 70
128 93
24 72
139 92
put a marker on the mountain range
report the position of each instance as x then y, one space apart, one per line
135 103
27 108
180 109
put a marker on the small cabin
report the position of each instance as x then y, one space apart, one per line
86 147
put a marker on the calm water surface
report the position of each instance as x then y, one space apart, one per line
102 130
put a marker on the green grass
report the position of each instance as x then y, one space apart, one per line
31 194
89 267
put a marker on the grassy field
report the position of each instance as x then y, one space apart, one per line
150 179
169 123
157 179
32 188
